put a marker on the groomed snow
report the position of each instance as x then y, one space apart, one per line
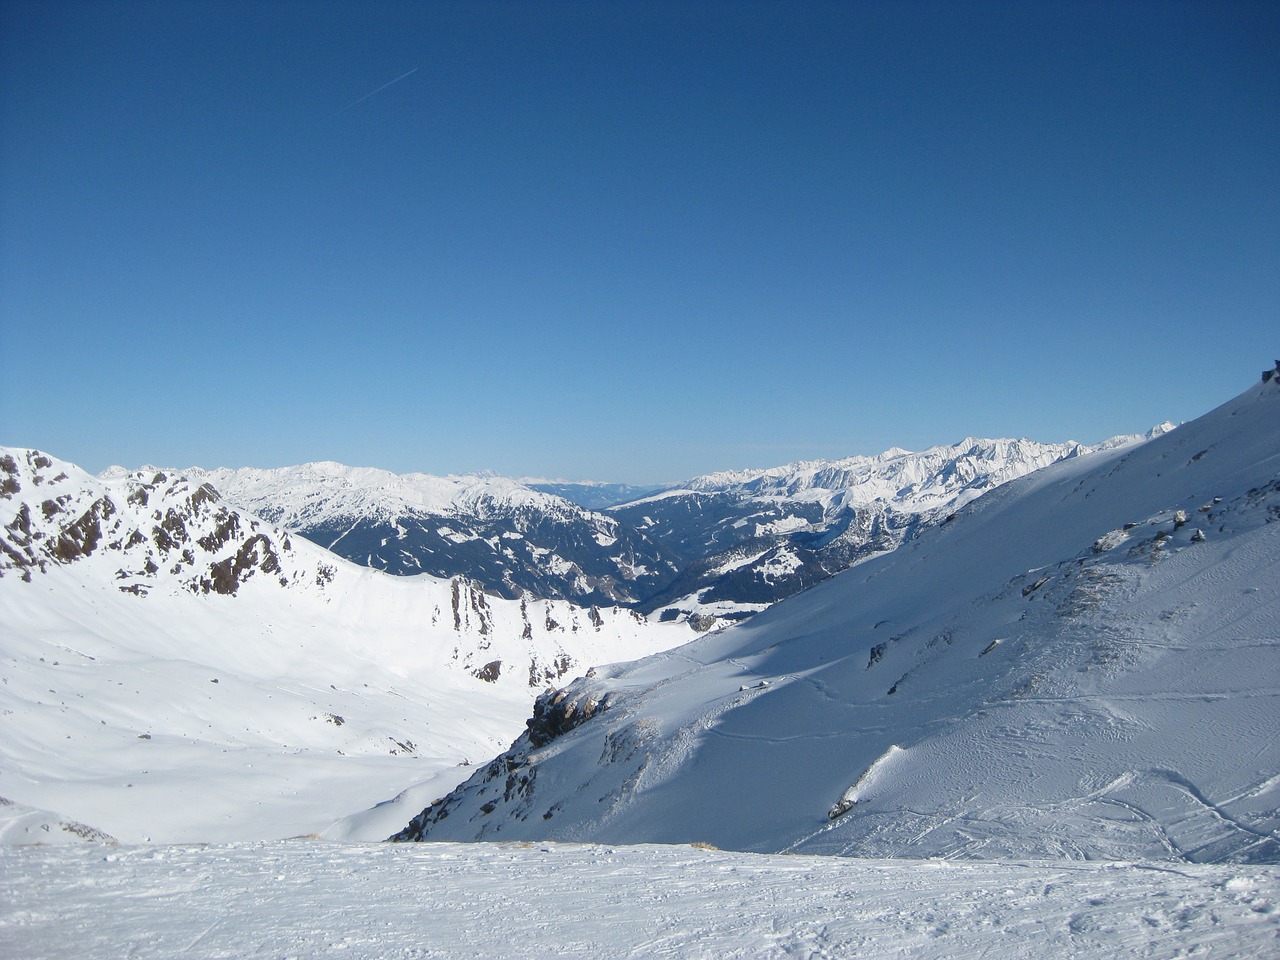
311 898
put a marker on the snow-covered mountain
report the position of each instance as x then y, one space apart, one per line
749 538
1084 662
174 668
500 532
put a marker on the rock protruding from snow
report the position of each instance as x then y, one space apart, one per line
511 776
150 525
21 825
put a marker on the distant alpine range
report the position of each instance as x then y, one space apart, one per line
713 549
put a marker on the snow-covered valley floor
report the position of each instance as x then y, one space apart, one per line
308 898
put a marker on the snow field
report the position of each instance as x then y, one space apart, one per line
311 693
293 899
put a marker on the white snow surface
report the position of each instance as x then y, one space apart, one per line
312 898
1083 664
138 699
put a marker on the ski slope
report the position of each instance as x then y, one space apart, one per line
310 899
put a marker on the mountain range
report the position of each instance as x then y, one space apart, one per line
750 538
1052 651
715 548
1081 663
511 538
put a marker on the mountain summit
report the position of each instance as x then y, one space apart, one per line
716 548
752 537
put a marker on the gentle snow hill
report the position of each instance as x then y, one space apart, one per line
385 902
752 537
175 669
1083 663
513 539
21 825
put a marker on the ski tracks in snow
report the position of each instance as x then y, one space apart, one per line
444 900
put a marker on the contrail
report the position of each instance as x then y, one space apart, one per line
371 93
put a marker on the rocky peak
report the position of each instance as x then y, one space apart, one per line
151 525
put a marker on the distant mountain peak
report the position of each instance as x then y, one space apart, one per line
495 530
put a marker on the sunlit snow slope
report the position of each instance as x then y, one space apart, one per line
1083 663
174 669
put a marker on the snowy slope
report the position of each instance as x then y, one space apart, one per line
506 535
752 537
21 825
393 902
1083 663
172 668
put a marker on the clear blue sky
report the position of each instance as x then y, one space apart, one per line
627 241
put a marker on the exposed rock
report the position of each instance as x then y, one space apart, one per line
556 712
81 538
490 672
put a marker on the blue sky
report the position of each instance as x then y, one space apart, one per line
627 241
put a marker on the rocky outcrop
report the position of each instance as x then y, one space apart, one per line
556 712
511 779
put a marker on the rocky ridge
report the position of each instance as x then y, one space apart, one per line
150 530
